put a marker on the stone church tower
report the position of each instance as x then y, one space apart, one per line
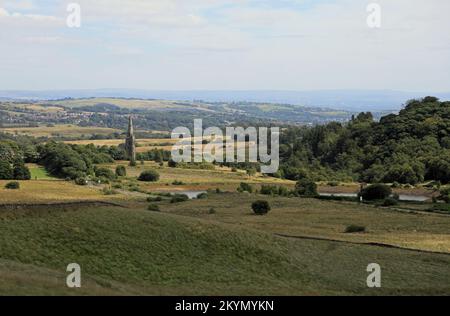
130 143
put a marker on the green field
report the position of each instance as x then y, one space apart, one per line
133 251
39 173
212 246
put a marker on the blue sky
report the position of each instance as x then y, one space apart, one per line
225 45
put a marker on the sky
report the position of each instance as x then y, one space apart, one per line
225 45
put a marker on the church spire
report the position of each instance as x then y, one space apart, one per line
130 143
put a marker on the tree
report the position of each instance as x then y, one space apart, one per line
105 173
149 176
306 187
20 171
376 192
6 171
121 171
261 207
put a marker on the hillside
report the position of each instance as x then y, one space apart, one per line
160 115
125 251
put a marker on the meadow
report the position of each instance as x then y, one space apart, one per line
61 130
299 248
134 251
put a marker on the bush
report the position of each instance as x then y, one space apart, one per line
212 210
154 208
121 171
176 182
355 229
154 199
376 192
202 196
245 187
389 202
333 184
172 164
107 191
81 181
12 185
251 172
261 207
105 173
149 176
396 185
179 198
306 187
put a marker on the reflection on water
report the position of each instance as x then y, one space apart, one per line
191 194
403 197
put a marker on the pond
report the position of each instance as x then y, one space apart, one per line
191 194
403 197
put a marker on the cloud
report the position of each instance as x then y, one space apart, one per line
17 18
235 44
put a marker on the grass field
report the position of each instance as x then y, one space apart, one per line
71 131
39 172
299 217
44 191
195 179
124 251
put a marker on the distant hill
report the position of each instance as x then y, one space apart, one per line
351 100
161 115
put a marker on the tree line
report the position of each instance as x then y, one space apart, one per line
409 147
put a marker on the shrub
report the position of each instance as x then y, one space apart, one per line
105 173
251 172
333 184
154 199
172 164
154 208
81 181
389 202
121 171
396 185
234 169
355 229
306 187
245 187
269 190
212 210
6 171
376 192
107 191
261 207
179 198
445 195
176 182
149 176
12 185
202 196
